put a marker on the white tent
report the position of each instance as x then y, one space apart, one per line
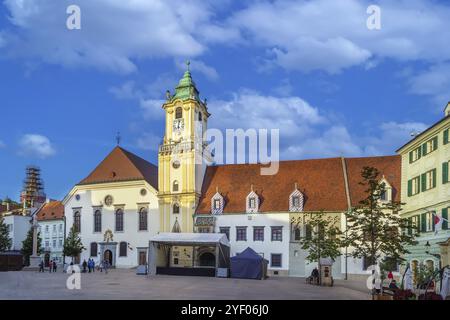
158 255
191 238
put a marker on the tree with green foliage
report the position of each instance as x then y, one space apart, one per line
5 240
27 246
375 229
324 239
73 245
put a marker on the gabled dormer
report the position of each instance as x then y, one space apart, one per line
386 196
217 203
296 200
252 202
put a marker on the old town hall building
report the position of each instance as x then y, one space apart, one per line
126 200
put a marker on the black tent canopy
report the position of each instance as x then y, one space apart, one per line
248 265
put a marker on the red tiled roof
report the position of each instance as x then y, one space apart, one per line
12 207
389 166
51 211
320 180
122 165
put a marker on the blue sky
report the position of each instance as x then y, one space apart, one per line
310 68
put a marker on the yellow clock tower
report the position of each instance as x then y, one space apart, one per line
182 157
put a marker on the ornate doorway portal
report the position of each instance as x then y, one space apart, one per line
108 257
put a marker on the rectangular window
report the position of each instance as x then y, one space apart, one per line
54 228
275 260
54 243
60 228
308 232
46 229
296 201
446 136
252 203
241 233
60 243
414 186
47 244
143 218
415 224
226 231
277 233
429 221
429 180
415 155
216 204
445 172
430 146
445 218
258 233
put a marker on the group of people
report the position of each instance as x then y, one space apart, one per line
89 266
52 266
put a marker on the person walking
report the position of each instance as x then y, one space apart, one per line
41 266
89 265
84 266
50 266
54 266
106 265
93 265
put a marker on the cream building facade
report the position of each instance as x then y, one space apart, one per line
426 192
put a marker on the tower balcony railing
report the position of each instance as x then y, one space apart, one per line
187 146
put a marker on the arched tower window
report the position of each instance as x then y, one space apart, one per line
176 208
178 113
175 186
199 116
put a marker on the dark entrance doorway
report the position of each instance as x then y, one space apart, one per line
47 259
107 255
207 259
142 258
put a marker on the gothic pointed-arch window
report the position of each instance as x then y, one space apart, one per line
123 249
143 219
297 233
98 221
175 186
176 208
178 113
199 116
77 221
119 220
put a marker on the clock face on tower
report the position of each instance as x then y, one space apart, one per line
178 125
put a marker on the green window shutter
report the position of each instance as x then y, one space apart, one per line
410 157
419 151
446 140
434 178
410 188
424 149
424 182
435 142
445 172
445 216
423 222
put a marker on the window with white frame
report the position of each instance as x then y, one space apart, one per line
217 204
296 200
252 204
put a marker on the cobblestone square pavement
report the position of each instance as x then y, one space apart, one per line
125 284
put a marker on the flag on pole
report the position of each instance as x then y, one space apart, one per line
437 220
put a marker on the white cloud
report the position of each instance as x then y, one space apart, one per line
199 66
332 35
434 82
151 108
306 131
36 145
126 91
148 141
113 33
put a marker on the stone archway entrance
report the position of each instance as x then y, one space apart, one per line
108 256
